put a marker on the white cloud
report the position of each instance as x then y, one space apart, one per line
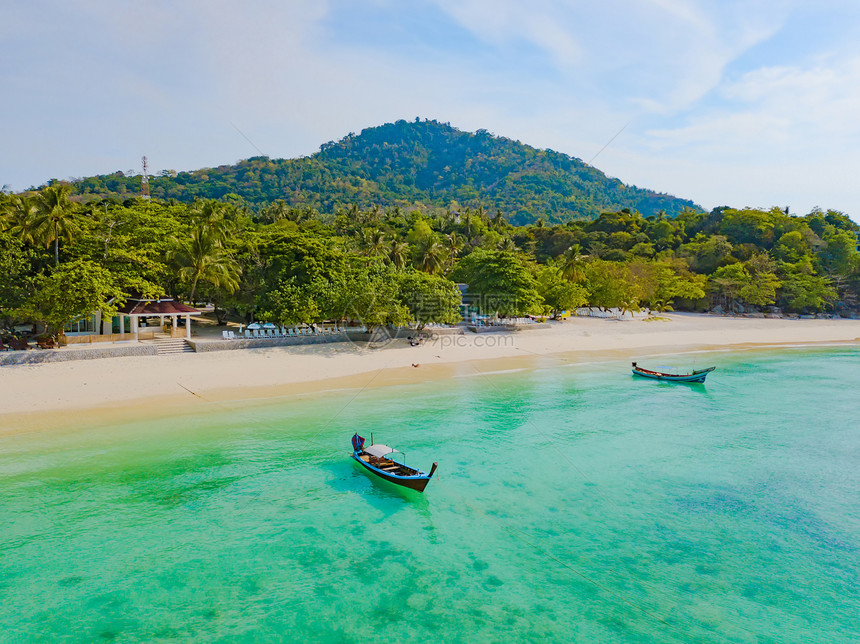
811 110
541 23
659 55
781 135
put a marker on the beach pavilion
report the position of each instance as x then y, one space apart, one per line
139 309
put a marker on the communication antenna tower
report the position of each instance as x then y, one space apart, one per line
144 180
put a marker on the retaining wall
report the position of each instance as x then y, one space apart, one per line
202 346
507 328
40 356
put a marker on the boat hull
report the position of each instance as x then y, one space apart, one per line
415 482
696 376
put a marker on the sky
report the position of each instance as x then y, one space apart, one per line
745 103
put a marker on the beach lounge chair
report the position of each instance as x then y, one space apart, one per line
247 333
231 335
225 334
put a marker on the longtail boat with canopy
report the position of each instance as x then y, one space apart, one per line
379 460
694 376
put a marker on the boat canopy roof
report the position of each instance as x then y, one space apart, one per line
379 450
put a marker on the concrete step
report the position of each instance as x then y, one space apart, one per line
171 346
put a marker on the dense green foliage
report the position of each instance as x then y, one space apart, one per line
62 259
423 164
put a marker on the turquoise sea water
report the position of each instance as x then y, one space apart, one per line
572 503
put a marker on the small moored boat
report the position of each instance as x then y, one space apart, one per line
695 376
379 459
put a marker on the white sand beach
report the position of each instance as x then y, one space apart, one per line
26 391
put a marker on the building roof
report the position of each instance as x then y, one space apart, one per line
161 306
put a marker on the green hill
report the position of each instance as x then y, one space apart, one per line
424 163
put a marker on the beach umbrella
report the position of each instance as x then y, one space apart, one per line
254 325
269 325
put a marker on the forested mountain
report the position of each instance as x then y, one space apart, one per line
427 164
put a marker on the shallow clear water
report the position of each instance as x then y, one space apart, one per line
572 503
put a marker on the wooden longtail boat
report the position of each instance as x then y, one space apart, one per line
695 376
379 460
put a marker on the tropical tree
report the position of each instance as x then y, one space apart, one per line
212 216
573 264
55 217
201 256
502 280
398 253
16 269
371 295
612 285
736 282
75 289
374 242
662 282
707 253
18 217
558 293
454 244
507 244
429 298
430 255
802 290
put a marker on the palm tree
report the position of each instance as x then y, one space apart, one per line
275 212
211 214
19 218
399 254
450 219
431 256
472 226
55 217
454 243
375 242
201 257
498 220
573 264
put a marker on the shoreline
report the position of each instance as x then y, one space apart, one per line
46 395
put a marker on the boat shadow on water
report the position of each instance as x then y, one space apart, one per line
386 497
698 387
